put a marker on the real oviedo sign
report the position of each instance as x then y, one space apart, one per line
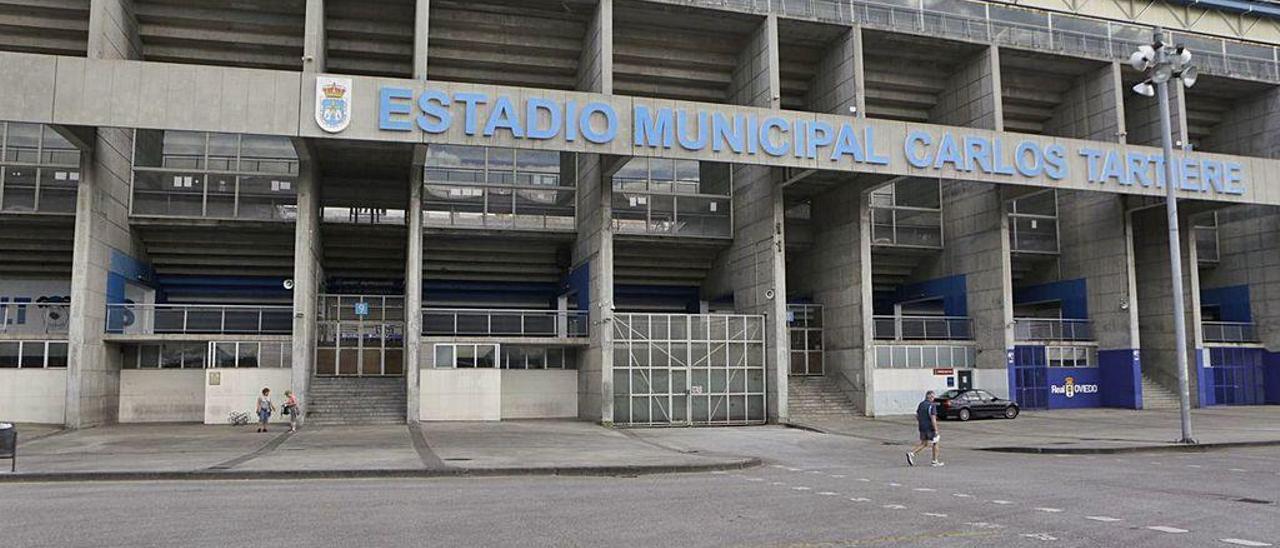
644 127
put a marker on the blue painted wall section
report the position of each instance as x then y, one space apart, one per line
578 283
198 288
1029 376
122 269
1271 377
950 289
1238 375
1073 294
1120 378
1204 391
1075 387
1232 302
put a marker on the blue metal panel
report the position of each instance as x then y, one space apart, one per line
1232 302
1237 376
1073 294
1029 373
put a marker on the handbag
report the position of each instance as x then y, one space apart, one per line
286 410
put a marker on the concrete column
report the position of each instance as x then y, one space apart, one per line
421 33
1093 245
1142 118
754 267
308 272
593 250
1155 313
413 287
972 96
113 30
1092 109
313 38
837 84
1250 128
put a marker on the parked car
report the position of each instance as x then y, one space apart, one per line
967 404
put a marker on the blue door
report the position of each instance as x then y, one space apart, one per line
1030 377
1236 375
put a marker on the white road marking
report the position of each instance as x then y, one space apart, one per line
1238 470
777 483
924 489
718 472
779 466
860 499
828 493
794 470
1243 542
1194 466
894 507
837 475
892 484
816 472
983 525
1167 529
1104 519
1156 463
863 479
800 488
933 514
1040 536
1049 510
754 479
962 495
1001 502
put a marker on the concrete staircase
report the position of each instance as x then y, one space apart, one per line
1155 396
817 397
355 400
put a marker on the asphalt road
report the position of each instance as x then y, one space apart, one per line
815 490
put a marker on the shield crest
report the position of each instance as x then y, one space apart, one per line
333 103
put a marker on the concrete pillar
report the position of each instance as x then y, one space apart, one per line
421 33
1092 109
113 30
593 250
413 287
837 84
972 95
313 38
308 272
754 267
1155 299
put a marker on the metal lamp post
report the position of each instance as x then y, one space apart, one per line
1162 66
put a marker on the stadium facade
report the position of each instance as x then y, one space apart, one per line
634 212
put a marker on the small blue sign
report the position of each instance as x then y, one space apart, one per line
362 308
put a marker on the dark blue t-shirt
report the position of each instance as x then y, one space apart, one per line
924 415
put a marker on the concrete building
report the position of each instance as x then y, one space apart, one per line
632 212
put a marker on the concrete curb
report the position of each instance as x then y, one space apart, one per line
1170 448
451 472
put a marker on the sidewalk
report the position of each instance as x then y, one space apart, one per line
1076 430
192 451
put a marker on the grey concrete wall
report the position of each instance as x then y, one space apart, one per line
308 272
1155 298
1092 109
413 266
972 94
837 80
1094 245
1142 118
976 244
831 272
753 269
1249 254
113 30
1251 128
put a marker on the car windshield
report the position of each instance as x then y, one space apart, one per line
950 394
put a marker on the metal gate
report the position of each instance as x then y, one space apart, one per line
804 321
360 336
1237 376
1030 377
685 369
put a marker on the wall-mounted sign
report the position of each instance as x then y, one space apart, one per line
944 371
1069 388
333 103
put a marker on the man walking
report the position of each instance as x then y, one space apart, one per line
927 420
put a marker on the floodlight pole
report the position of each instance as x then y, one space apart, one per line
1175 242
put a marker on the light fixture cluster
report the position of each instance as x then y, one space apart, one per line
1162 65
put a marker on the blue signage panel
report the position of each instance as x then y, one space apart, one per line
1074 387
362 309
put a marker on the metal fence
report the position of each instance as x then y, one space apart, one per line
1018 28
1229 332
504 322
193 319
923 328
1049 329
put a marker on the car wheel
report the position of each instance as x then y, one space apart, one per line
1011 412
963 415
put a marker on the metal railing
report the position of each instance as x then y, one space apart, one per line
923 328
1051 329
195 319
1033 29
1229 332
906 226
496 322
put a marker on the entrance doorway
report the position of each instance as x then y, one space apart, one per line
360 336
804 321
964 380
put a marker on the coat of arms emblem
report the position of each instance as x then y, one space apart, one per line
333 103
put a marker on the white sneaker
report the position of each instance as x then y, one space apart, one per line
911 459
937 463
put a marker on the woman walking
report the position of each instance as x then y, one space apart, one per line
265 409
291 409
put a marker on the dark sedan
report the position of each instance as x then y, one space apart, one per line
967 404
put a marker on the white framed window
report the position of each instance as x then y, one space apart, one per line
467 356
33 354
1069 356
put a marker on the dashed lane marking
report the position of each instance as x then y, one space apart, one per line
1040 536
924 489
1104 519
1001 502
863 480
829 493
816 472
892 484
962 495
1167 529
983 525
1049 510
860 499
933 514
777 483
1194 466
894 507
799 488
1243 542
754 479
1237 469
837 476
718 472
